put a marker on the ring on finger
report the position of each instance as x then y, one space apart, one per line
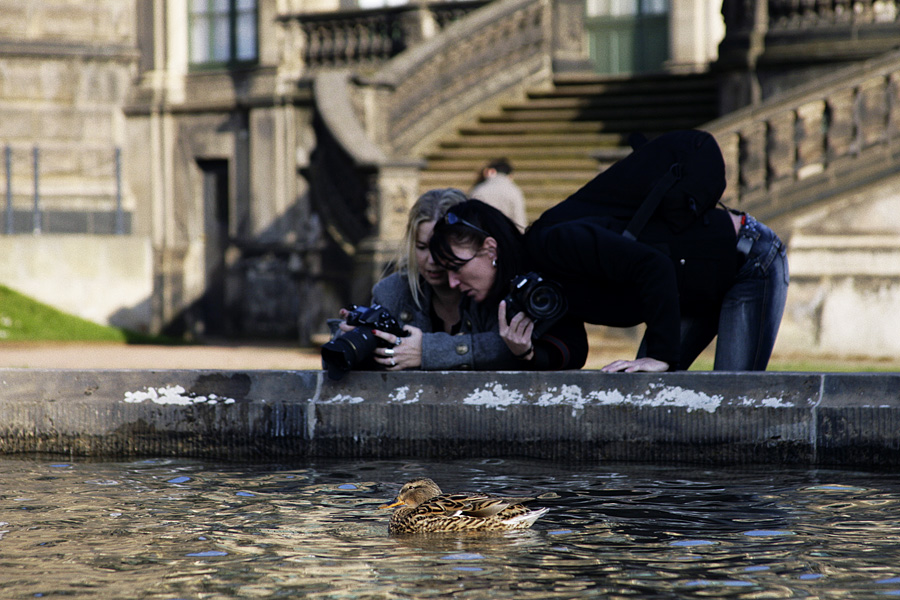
393 363
398 341
389 352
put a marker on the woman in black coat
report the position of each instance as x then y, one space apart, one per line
483 251
722 273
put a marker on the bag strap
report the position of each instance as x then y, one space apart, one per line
651 202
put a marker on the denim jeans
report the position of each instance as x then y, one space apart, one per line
751 310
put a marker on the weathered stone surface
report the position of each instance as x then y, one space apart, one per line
716 418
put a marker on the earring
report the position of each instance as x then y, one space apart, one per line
494 263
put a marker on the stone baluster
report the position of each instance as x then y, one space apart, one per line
872 112
810 136
843 10
780 150
752 161
842 142
730 144
893 108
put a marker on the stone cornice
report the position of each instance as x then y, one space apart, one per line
62 50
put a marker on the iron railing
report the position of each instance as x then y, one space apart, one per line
36 214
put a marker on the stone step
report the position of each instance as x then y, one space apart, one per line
546 177
649 85
522 165
625 123
532 139
558 139
515 152
693 112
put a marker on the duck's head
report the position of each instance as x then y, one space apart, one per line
415 492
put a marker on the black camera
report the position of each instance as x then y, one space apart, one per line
542 300
344 352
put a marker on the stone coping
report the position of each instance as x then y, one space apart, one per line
836 419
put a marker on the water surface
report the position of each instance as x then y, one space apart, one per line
167 529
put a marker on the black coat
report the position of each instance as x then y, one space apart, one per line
614 281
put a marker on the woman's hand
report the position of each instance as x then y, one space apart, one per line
343 325
516 333
402 352
646 364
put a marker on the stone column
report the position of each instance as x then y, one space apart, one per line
746 25
570 51
396 188
695 31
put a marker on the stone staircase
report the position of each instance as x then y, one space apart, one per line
558 139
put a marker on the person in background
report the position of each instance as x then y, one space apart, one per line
496 187
443 335
483 251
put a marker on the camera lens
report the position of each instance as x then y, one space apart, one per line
344 353
545 302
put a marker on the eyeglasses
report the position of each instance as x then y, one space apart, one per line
454 219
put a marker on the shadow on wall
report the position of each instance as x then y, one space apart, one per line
281 285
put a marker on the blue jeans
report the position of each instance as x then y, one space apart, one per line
751 311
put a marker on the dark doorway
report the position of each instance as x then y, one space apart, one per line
215 224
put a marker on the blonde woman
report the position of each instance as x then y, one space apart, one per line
443 334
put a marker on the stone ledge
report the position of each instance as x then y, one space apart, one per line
715 418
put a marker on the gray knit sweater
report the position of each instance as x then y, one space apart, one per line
478 346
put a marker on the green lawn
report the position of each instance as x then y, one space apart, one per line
23 319
816 364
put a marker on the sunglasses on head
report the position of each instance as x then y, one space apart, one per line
454 219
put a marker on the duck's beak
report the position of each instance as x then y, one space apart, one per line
397 503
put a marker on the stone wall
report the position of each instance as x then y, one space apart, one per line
802 419
105 279
65 71
844 298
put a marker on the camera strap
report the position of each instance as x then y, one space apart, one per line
651 202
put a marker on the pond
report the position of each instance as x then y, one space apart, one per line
173 529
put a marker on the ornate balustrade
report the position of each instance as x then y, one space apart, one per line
816 13
361 38
808 31
499 47
771 46
822 139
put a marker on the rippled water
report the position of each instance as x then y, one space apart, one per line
187 529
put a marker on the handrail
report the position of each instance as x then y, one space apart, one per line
814 142
331 92
494 49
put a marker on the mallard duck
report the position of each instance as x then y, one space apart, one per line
423 508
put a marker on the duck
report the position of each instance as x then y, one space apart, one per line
421 507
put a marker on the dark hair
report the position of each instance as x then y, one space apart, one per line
475 219
501 165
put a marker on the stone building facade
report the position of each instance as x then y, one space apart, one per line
243 167
70 234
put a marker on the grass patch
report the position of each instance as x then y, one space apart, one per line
23 319
816 364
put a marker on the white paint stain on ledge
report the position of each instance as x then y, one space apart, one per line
401 395
768 402
496 396
342 399
174 394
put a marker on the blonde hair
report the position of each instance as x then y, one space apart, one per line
431 206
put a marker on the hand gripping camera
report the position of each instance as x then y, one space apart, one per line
347 351
540 299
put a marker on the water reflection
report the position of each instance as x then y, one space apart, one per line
186 529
